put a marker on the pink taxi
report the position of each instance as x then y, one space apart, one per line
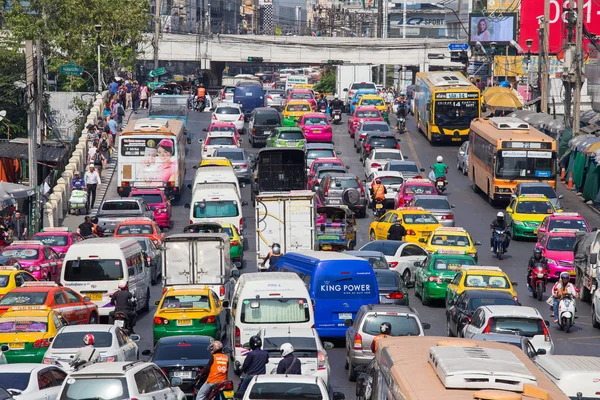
220 126
59 239
362 114
158 202
410 188
302 94
562 220
316 128
557 248
36 258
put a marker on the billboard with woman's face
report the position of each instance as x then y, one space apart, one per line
486 29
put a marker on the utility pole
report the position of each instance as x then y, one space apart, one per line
380 18
32 120
156 34
578 68
404 19
543 57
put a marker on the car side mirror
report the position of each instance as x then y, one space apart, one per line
241 141
156 302
417 264
86 299
422 170
338 153
347 167
134 337
225 304
348 322
515 283
338 396
176 381
187 205
204 130
508 209
328 345
421 240
244 203
547 323
4 347
593 258
540 352
452 206
147 353
243 184
426 326
195 167
450 302
477 243
235 273
200 141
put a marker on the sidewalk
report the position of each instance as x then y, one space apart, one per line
573 203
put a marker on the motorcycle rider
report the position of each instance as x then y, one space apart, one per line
289 364
536 258
439 168
98 230
200 96
322 103
86 229
336 104
123 301
255 362
378 192
215 371
401 111
85 355
499 223
274 255
562 287
396 231
385 330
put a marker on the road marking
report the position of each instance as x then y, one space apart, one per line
412 148
581 338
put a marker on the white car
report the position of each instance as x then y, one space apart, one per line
112 342
378 158
596 308
404 257
307 347
516 320
230 113
268 387
218 140
3 348
121 380
391 180
32 381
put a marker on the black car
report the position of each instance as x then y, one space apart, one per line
391 287
462 308
377 140
262 122
181 356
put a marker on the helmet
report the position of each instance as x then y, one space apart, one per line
505 84
500 215
122 284
402 94
385 328
88 339
201 85
440 159
276 248
378 181
564 275
537 253
336 98
286 349
76 173
255 342
215 346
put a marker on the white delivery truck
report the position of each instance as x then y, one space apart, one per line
348 74
200 259
287 218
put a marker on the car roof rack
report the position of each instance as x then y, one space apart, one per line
131 365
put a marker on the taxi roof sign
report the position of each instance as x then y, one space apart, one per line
451 228
410 209
564 230
29 308
532 195
57 229
566 214
28 242
9 268
447 251
482 268
141 219
417 180
39 284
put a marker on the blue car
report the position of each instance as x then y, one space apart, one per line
356 97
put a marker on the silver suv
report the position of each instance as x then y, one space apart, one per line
438 205
346 189
362 330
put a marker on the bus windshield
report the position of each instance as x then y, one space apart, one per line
455 113
525 164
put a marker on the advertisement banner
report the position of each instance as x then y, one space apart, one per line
420 20
517 65
486 29
149 161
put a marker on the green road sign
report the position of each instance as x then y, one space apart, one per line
71 68
157 72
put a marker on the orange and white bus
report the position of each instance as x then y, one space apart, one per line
504 152
152 154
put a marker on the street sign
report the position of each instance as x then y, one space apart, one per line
458 47
157 72
71 68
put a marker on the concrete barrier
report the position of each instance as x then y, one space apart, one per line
63 186
76 159
55 199
48 219
54 203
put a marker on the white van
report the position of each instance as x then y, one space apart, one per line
572 374
214 174
217 202
94 268
268 300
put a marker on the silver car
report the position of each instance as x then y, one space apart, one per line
275 98
462 158
242 163
344 189
437 205
539 188
409 169
368 127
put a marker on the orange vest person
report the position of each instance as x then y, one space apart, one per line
201 91
378 190
385 329
215 371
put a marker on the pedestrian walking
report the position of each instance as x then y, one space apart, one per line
19 226
113 87
122 95
113 126
92 182
99 162
119 114
92 152
128 87
103 146
144 96
135 96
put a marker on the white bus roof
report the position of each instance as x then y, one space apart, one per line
447 79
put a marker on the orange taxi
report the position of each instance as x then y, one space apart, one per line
144 227
70 304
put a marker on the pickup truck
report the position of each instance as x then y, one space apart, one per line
114 211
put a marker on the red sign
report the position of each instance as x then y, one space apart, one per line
529 25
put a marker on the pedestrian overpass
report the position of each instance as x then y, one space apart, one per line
213 52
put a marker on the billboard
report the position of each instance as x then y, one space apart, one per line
528 25
487 29
421 20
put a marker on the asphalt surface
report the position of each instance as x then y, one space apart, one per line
472 212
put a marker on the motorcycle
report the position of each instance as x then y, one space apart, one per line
499 241
336 116
200 104
401 125
222 391
566 312
379 209
440 184
323 109
122 321
538 280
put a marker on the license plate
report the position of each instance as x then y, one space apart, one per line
119 323
345 316
326 247
16 346
316 131
572 272
379 205
267 132
335 201
228 394
331 237
184 322
456 139
540 275
94 296
183 374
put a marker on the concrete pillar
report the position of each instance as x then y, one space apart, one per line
76 159
48 215
54 198
54 210
95 111
63 187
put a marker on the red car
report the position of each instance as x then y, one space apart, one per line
36 258
410 187
219 126
302 94
60 239
158 202
319 162
362 114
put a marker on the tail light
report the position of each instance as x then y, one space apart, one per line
357 345
254 131
398 146
362 189
221 290
269 97
375 165
191 222
368 147
109 359
241 225
208 320
447 217
126 184
223 96
410 232
488 327
241 118
244 165
228 385
237 337
234 243
546 333
41 344
435 279
321 361
164 372
326 192
393 264
160 321
394 295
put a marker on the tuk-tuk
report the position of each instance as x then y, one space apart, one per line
336 228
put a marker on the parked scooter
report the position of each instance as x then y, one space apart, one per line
538 280
566 312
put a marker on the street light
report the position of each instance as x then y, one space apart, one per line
529 43
2 117
98 29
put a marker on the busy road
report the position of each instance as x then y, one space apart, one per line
472 212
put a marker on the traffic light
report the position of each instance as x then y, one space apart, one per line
255 59
335 62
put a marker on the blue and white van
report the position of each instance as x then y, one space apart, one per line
337 283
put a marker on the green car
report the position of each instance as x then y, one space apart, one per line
287 137
437 271
236 243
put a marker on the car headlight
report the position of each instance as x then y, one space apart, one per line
520 223
551 261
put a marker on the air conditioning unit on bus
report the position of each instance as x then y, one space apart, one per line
149 124
448 78
460 367
509 124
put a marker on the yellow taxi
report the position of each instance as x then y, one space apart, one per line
418 222
525 213
11 278
215 161
477 277
451 238
190 311
27 331
373 100
293 110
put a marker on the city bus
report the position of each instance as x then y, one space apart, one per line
152 155
169 106
429 367
504 152
445 103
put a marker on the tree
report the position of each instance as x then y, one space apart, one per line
12 95
327 83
